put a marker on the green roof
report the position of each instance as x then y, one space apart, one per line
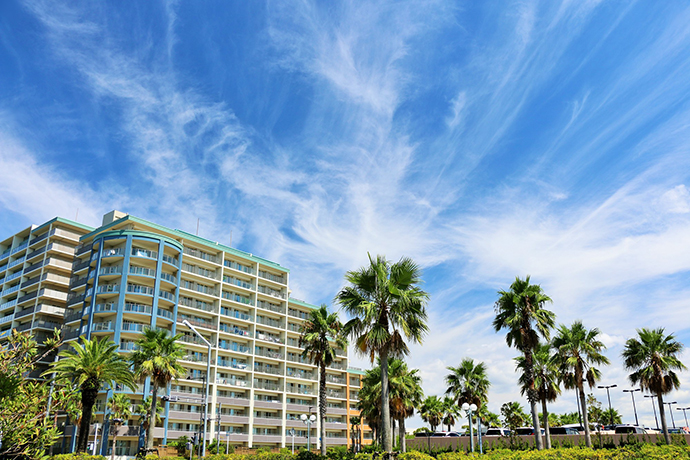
64 221
302 303
351 370
189 236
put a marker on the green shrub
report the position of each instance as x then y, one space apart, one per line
81 456
416 455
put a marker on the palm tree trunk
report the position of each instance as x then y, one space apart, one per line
385 404
88 399
545 411
112 455
322 408
662 416
533 397
585 417
152 416
401 424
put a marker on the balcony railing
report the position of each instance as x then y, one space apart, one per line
270 321
201 255
235 330
139 289
234 347
141 252
267 370
271 292
113 252
298 313
237 298
237 282
270 306
268 385
141 271
193 303
235 364
268 353
232 313
238 266
104 326
270 276
200 271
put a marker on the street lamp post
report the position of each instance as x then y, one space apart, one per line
469 408
654 409
632 393
686 415
208 376
308 421
673 422
608 393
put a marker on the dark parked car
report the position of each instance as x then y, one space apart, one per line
562 430
526 430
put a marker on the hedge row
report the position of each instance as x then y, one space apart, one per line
640 452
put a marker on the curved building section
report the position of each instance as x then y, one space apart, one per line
131 281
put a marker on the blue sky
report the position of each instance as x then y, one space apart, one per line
484 139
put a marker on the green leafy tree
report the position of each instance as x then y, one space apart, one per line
468 383
91 365
120 407
489 419
546 377
577 351
322 335
26 427
521 312
156 359
431 411
594 412
611 416
653 359
387 307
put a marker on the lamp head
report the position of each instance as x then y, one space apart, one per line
303 417
473 407
312 417
465 406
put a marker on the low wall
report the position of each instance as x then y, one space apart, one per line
496 442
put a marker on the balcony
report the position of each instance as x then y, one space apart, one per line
82 248
232 313
167 295
193 303
234 347
145 253
237 282
113 252
269 337
268 353
195 357
21 247
196 287
196 321
270 306
333 379
233 381
139 289
193 339
233 363
298 314
271 277
164 313
271 292
133 327
272 386
270 322
274 370
235 330
7 305
142 271
7 319
300 374
206 273
201 255
239 267
103 327
170 259
237 298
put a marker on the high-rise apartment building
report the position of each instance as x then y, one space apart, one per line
129 274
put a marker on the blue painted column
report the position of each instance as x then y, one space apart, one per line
123 291
89 326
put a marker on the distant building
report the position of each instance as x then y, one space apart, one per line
129 274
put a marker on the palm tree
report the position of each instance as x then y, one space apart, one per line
546 376
356 434
321 336
450 412
468 383
653 359
369 405
521 311
406 394
577 350
91 365
156 359
143 411
387 306
120 409
431 411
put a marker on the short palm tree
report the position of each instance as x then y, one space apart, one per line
546 378
431 411
406 394
321 337
387 307
91 365
143 410
468 383
120 409
521 312
356 433
451 411
653 358
156 359
577 351
369 405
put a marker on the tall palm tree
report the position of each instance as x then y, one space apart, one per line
577 351
156 359
653 358
143 411
321 336
369 405
468 383
91 365
356 434
521 311
120 409
387 306
546 377
451 411
431 411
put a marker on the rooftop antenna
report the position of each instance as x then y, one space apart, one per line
197 226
